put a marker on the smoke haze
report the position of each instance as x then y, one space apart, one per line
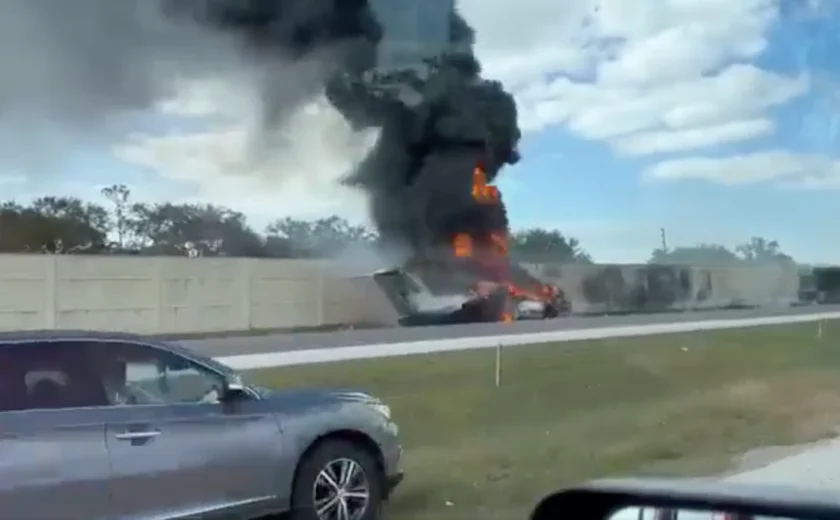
78 70
86 69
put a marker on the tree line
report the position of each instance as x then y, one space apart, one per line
757 250
69 225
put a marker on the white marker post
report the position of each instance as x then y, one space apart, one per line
499 365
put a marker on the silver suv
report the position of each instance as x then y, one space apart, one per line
116 426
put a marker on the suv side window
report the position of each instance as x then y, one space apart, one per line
42 375
140 374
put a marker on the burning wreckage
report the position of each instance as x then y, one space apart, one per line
446 134
472 279
432 193
407 68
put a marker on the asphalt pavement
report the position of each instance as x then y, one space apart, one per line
815 466
299 341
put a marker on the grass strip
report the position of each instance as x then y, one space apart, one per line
565 412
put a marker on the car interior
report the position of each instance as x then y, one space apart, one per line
47 377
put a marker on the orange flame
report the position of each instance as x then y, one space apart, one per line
482 192
462 245
492 248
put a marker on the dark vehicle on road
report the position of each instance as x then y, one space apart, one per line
114 426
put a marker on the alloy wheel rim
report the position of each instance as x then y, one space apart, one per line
341 491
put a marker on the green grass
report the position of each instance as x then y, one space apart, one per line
565 412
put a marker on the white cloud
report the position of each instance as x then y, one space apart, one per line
297 174
662 76
693 113
519 42
656 67
683 39
786 168
230 99
662 141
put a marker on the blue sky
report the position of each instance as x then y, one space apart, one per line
577 173
597 185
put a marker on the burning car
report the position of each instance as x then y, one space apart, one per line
418 303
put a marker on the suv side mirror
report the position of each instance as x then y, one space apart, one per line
233 387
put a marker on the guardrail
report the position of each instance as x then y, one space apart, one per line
327 355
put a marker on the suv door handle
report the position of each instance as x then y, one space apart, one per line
133 436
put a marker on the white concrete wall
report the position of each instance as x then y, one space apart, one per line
167 294
172 295
737 285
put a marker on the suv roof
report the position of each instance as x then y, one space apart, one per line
98 335
47 334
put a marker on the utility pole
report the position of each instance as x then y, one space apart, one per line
664 240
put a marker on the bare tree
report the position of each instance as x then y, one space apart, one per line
119 194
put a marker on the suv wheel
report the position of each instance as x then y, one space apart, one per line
338 481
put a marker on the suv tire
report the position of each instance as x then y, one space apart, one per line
319 483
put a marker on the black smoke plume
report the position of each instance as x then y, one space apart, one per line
419 174
73 63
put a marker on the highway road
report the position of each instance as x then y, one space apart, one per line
814 466
298 341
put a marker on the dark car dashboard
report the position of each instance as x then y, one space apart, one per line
686 499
